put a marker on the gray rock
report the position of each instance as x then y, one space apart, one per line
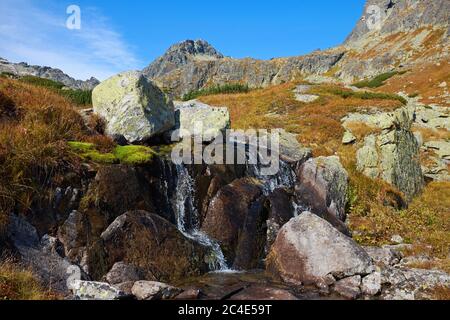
214 120
384 256
349 287
122 272
89 290
322 185
73 235
371 284
308 249
393 155
397 239
152 290
301 94
411 284
441 148
133 107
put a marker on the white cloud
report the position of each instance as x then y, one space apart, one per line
35 32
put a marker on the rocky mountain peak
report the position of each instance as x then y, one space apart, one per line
181 54
399 16
194 48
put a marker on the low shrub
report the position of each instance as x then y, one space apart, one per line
378 81
218 89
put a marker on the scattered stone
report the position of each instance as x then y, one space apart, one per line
308 249
371 284
443 85
90 290
133 106
152 290
383 256
349 287
397 239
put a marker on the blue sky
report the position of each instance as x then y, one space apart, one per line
122 35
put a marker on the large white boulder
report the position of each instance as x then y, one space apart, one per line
133 107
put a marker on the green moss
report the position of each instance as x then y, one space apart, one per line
103 158
78 146
134 154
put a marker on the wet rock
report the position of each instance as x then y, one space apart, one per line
190 294
89 290
263 293
152 290
308 249
281 210
151 244
349 287
133 106
322 186
371 284
122 272
236 218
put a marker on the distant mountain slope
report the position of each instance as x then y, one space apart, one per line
24 69
192 65
411 32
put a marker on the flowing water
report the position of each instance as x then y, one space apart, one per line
187 218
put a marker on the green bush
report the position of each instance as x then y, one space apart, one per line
218 89
80 97
366 95
378 81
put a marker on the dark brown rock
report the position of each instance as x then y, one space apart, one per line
153 245
236 218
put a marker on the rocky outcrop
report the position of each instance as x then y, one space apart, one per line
133 107
393 154
153 245
322 186
309 250
400 16
214 120
236 218
24 69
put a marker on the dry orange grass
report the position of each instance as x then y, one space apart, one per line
17 283
33 142
423 79
318 124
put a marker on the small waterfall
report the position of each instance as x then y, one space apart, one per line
285 178
187 218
